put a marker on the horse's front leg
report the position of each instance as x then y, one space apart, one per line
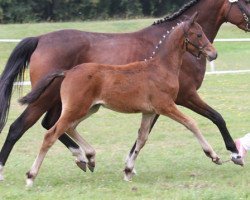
195 103
140 142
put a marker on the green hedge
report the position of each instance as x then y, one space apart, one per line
21 11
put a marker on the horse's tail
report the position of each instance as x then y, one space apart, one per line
14 70
40 88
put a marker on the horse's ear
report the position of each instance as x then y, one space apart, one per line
194 17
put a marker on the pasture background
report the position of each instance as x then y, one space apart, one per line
170 166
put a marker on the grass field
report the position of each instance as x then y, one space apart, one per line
171 165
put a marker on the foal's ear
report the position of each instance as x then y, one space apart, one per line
193 18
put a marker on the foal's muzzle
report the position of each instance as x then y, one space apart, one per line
211 56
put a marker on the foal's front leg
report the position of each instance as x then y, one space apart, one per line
141 140
172 111
152 123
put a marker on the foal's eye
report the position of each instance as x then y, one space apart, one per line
199 35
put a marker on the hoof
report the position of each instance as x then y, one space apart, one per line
134 172
91 167
237 159
128 175
82 165
217 161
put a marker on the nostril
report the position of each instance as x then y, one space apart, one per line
215 55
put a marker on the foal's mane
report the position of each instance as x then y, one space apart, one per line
178 13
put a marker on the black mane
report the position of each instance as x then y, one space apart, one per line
178 13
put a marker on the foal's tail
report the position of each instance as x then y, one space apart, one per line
40 88
14 70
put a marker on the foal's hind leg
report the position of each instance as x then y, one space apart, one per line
49 139
141 140
49 120
87 148
173 112
89 151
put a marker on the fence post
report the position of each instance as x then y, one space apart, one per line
212 66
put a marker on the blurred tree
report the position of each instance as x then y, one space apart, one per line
65 10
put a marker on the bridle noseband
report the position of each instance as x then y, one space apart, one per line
245 16
188 42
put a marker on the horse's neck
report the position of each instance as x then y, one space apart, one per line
210 18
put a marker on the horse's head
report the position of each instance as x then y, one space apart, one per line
238 12
196 41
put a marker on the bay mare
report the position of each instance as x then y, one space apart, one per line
149 87
61 50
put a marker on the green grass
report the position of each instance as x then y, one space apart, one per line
170 166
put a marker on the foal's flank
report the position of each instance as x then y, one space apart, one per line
149 87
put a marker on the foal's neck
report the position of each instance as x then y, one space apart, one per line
172 50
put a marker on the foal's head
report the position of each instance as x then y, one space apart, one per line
196 41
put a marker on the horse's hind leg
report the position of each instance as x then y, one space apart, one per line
173 112
141 140
49 120
27 119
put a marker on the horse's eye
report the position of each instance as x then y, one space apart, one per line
199 35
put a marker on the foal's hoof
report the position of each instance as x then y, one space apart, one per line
128 174
217 161
237 159
82 165
91 166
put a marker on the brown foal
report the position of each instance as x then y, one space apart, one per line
149 87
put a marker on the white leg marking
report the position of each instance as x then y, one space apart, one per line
78 153
29 182
1 173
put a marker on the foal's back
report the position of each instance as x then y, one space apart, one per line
125 88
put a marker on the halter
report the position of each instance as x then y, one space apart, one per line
245 16
188 42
